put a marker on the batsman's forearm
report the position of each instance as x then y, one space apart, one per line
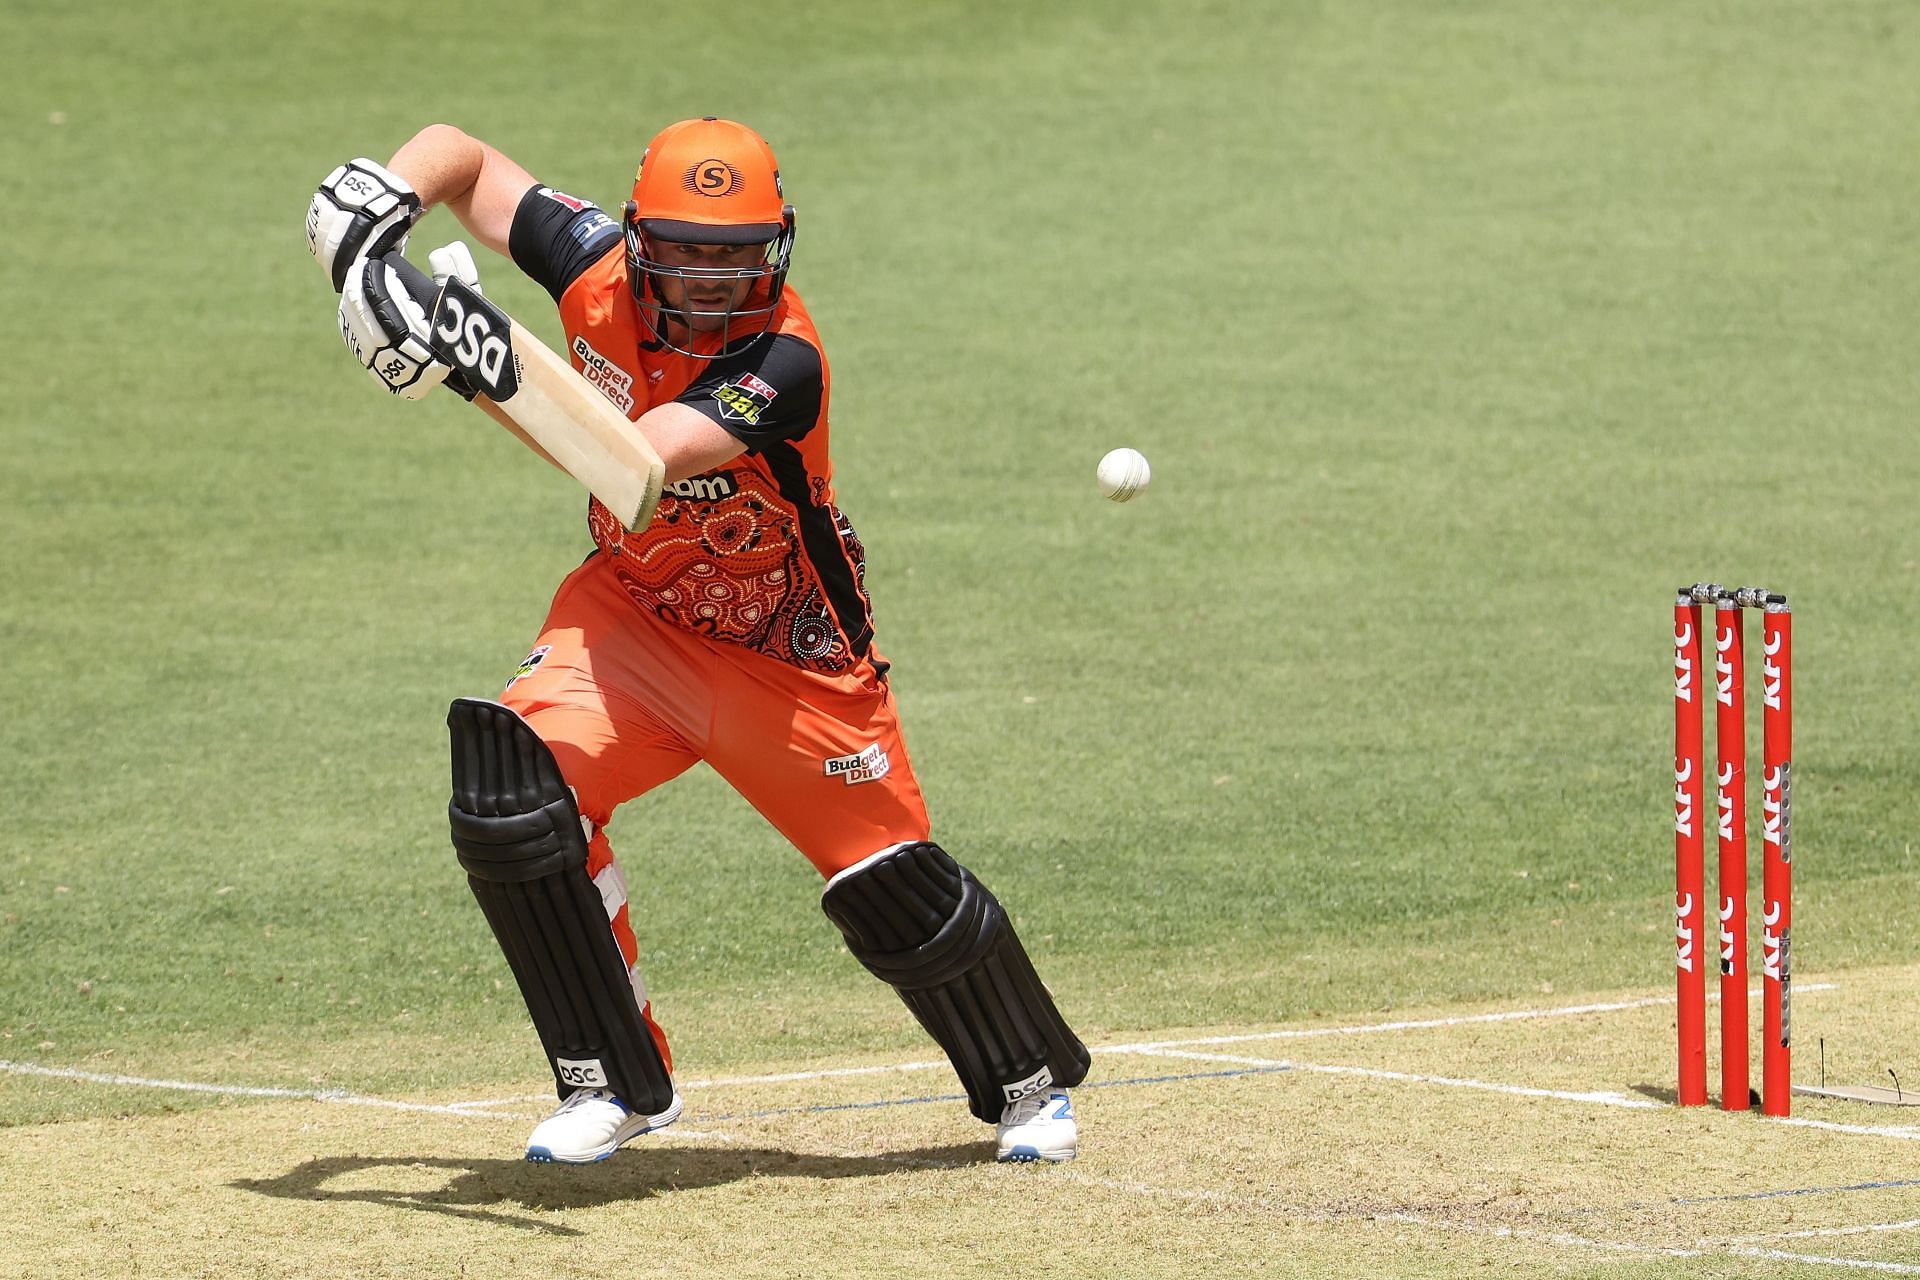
477 183
441 162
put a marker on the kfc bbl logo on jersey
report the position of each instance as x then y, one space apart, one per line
744 399
529 665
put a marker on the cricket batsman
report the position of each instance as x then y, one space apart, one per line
733 628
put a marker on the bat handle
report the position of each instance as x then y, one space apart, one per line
425 292
418 283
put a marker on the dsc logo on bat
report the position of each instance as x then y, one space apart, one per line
471 334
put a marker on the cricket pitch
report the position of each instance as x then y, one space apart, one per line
1426 1143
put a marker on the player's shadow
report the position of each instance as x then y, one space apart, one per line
482 1190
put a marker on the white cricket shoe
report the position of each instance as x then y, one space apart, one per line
1039 1127
588 1127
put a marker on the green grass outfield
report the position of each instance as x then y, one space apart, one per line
1458 334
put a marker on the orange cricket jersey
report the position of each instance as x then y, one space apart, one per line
754 553
653 654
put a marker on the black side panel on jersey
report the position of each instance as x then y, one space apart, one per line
555 237
518 834
834 551
767 393
920 921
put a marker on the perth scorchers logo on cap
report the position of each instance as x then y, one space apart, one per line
712 177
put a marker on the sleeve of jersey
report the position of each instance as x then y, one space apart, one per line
768 393
556 236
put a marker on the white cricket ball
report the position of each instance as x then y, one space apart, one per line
1123 473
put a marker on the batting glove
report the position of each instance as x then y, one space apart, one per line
385 327
362 210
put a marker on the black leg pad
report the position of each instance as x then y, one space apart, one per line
921 922
518 834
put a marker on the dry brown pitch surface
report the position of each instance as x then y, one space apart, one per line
1538 1140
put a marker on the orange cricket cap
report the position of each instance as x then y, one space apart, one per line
709 181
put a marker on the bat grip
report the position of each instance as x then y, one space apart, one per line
425 292
417 282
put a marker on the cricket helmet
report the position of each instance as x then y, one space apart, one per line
709 181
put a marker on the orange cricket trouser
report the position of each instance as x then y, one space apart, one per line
627 701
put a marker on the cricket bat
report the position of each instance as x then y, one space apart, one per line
519 378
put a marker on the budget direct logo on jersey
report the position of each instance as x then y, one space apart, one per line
615 383
744 399
867 766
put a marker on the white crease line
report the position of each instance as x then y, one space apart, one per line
786 1077
1908 1225
1369 1028
1877 1130
1602 1097
340 1096
1427 1024
828 1074
468 1110
1859 1264
479 1108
